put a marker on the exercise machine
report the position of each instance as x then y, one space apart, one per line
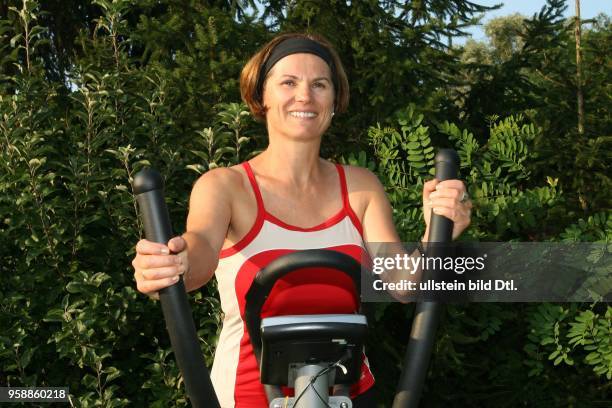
312 352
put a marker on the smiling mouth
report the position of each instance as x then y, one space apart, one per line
302 114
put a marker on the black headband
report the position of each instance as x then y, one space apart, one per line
293 46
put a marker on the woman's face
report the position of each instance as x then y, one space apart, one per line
299 97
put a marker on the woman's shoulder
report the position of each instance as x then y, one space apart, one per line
363 186
221 179
361 179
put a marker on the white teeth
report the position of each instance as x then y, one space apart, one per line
303 114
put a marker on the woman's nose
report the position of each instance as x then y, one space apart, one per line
303 93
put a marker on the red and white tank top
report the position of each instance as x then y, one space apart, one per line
235 373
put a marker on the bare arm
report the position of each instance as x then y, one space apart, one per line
196 253
210 211
442 197
378 227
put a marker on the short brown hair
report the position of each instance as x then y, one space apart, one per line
251 71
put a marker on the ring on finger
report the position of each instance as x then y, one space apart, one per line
464 197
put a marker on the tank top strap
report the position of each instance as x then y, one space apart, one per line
346 204
249 171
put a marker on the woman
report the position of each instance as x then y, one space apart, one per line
285 199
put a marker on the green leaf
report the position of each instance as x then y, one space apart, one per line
112 373
15 39
26 357
75 287
54 315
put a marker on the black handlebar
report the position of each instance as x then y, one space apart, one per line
148 187
426 315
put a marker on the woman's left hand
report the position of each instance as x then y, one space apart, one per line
448 198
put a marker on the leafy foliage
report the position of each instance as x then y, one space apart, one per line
529 66
506 208
69 218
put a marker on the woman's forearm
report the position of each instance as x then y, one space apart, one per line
202 261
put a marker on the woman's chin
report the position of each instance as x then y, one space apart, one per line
304 134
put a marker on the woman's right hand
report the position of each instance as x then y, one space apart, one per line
157 266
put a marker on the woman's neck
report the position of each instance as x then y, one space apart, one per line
294 163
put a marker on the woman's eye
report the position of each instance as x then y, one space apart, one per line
319 85
288 82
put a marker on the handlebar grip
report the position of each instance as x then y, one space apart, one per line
148 186
447 168
426 315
